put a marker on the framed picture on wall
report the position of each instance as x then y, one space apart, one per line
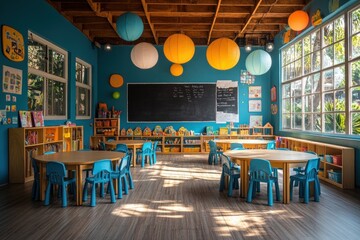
255 92
255 121
254 105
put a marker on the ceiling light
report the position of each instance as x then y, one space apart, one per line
269 46
248 48
107 47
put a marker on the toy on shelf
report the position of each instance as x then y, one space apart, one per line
129 132
123 132
182 131
158 131
169 130
147 131
137 131
209 130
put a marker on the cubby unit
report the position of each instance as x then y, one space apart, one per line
337 165
73 138
107 127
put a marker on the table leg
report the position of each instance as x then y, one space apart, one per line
244 178
42 187
134 156
79 190
286 183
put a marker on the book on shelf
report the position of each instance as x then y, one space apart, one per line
37 118
25 118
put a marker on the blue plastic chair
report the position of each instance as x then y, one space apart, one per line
271 145
101 175
214 154
260 171
237 146
154 146
35 193
56 175
145 153
310 175
124 149
49 152
120 175
233 172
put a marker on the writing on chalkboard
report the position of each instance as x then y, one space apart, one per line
171 102
227 101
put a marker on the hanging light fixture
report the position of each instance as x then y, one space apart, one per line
107 47
269 46
248 47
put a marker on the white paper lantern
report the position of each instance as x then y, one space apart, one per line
144 55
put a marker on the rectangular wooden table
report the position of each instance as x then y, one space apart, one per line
78 161
278 159
133 144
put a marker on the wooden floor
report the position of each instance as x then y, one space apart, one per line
178 198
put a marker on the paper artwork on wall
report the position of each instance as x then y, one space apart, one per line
255 92
254 105
3 116
255 121
13 44
12 80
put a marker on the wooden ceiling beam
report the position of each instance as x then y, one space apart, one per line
147 14
213 22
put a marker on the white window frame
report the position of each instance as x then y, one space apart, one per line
49 76
86 86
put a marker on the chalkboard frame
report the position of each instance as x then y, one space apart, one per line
170 83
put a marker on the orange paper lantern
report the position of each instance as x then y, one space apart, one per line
176 69
298 20
223 54
179 48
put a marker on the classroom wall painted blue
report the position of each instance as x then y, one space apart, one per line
197 70
345 140
42 19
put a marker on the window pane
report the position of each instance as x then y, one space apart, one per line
298 50
307 64
339 29
328 32
355 123
286 106
340 122
82 102
329 122
308 85
298 68
355 73
339 52
298 105
308 122
328 56
355 98
286 90
316 82
286 121
315 61
56 103
298 121
355 21
56 63
296 88
307 45
340 100
317 123
36 55
315 41
328 102
316 103
35 92
308 103
355 46
328 79
339 77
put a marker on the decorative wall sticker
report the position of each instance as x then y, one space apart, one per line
13 44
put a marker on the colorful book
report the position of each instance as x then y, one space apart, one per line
38 118
25 119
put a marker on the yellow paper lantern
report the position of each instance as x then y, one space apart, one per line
223 54
176 69
179 48
298 20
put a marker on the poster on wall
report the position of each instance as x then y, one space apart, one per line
12 80
255 92
12 44
254 105
227 101
255 121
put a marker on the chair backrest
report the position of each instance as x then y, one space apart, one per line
121 148
49 152
271 145
227 162
124 164
155 146
33 163
212 145
147 148
312 168
102 146
260 170
55 172
236 146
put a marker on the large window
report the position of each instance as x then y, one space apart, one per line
47 78
321 78
83 89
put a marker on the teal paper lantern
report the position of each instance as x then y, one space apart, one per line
258 62
129 26
116 95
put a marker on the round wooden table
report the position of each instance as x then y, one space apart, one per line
247 143
133 144
78 161
278 159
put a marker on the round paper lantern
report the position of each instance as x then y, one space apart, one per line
179 48
116 80
129 26
223 54
144 55
298 20
258 62
116 95
176 69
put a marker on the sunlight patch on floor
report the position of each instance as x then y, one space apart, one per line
136 210
177 208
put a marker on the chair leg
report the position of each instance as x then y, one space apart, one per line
85 192
230 186
222 181
250 192
119 188
47 194
131 183
93 196
64 195
317 191
126 188
142 160
306 192
318 182
112 192
269 193
291 189
277 190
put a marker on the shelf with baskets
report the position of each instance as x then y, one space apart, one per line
107 127
337 163
192 144
73 138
